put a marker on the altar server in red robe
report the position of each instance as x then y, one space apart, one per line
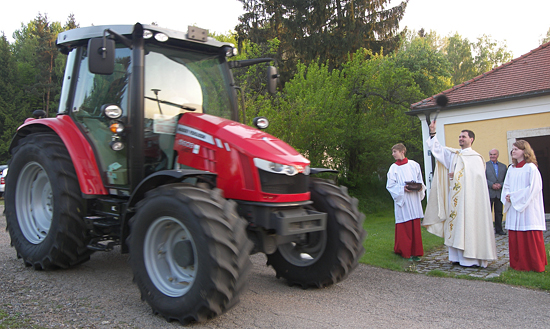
523 203
407 202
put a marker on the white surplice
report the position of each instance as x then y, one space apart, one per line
525 212
459 209
407 205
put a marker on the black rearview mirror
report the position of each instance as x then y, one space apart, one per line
101 56
272 78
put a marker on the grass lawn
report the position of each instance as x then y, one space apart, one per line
380 227
380 239
527 279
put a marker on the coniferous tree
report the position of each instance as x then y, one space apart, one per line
31 74
11 98
7 73
324 30
46 53
71 23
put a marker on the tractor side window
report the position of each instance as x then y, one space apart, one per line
93 91
64 106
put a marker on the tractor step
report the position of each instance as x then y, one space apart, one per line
101 221
101 247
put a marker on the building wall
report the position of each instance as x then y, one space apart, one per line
490 123
492 133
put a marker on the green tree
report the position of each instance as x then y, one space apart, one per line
37 54
11 104
7 80
307 114
422 54
459 54
23 50
251 80
31 73
348 119
71 23
469 59
490 54
381 92
546 38
46 53
326 30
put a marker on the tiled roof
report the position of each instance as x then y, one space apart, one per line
528 75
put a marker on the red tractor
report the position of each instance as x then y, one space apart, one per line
146 152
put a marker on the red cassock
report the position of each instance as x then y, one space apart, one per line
408 239
525 221
527 251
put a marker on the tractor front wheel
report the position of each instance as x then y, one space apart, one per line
320 259
189 252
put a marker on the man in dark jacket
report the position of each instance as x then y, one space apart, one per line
495 172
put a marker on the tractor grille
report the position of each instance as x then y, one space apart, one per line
283 184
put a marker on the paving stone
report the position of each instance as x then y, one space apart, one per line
438 260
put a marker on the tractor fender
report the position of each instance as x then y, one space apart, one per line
80 151
153 181
165 177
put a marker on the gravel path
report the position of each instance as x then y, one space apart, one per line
100 294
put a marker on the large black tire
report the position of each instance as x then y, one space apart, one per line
189 252
44 205
325 257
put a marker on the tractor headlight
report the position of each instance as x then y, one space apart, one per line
278 168
112 111
161 37
116 144
261 122
147 34
230 51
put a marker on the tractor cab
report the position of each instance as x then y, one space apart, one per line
134 83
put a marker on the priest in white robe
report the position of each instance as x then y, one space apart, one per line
458 207
407 203
524 206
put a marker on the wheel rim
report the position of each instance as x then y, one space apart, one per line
34 202
307 250
165 241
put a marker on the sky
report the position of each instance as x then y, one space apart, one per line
520 24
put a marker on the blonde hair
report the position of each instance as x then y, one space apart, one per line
528 153
399 147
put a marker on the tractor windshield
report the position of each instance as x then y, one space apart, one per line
177 81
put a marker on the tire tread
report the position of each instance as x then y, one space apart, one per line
228 246
66 246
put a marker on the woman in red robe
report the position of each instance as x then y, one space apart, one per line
523 203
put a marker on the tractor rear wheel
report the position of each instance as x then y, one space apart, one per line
189 252
323 258
43 205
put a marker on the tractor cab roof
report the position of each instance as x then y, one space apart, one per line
79 36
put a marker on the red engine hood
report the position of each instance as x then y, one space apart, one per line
250 141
